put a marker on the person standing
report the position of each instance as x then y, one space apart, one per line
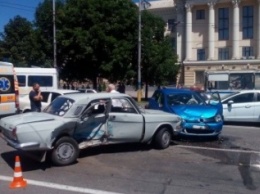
35 98
111 88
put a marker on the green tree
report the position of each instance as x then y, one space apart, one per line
98 38
16 41
44 31
158 56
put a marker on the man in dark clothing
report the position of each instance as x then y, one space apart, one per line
35 98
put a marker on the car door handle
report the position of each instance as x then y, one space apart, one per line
112 117
247 106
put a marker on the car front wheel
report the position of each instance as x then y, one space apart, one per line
65 151
162 138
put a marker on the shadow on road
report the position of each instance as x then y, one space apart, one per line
27 163
246 124
115 148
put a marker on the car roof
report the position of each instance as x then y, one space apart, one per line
62 91
81 97
246 91
172 90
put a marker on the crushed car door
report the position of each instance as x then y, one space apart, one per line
92 125
125 123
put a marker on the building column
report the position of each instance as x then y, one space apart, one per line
235 29
188 31
258 33
211 38
180 32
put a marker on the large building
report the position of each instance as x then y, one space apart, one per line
212 35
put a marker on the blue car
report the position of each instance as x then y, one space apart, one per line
201 117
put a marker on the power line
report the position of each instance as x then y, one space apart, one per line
17 8
16 4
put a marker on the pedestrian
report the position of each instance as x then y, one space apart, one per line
111 88
35 98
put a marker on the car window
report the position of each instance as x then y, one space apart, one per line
122 105
54 95
184 99
243 98
258 97
45 96
59 106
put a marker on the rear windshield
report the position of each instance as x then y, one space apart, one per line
59 106
7 84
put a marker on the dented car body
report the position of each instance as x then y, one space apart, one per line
78 121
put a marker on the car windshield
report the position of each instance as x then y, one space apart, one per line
185 99
59 106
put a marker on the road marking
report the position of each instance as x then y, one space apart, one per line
219 149
60 186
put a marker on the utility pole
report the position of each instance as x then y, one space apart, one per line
54 35
142 4
139 89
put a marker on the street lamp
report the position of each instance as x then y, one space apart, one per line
142 4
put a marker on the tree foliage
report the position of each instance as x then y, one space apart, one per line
99 39
16 41
158 56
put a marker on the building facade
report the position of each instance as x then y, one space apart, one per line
211 35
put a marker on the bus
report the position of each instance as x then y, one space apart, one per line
9 93
229 81
46 77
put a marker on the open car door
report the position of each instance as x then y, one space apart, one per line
216 101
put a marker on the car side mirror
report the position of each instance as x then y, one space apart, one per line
230 102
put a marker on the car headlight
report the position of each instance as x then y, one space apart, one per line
218 118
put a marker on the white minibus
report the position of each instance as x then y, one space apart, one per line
46 77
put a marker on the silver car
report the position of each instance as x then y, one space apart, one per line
243 106
77 121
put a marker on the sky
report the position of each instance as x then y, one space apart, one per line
25 8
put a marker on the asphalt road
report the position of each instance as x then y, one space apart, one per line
228 165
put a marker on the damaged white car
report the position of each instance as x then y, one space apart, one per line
78 121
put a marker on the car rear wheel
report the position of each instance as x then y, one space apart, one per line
65 151
162 138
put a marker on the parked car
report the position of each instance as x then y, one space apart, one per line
201 117
48 97
77 121
242 106
88 90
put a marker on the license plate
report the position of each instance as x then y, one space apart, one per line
198 127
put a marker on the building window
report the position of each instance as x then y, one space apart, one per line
171 25
200 14
247 51
201 55
223 24
223 53
248 20
199 77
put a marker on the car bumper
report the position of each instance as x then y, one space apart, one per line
22 146
201 129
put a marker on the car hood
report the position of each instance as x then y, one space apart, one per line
188 112
27 118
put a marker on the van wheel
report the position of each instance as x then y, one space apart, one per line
162 138
65 151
